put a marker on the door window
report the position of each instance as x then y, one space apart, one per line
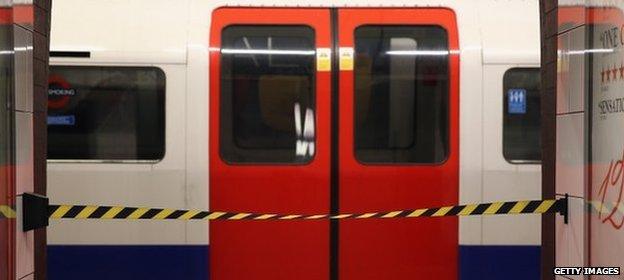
401 94
267 94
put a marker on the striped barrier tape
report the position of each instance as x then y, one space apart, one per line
37 212
144 213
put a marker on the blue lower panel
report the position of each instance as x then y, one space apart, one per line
499 262
191 262
127 262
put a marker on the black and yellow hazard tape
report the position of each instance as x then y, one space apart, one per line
145 213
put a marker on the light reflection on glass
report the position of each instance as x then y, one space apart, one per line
304 131
259 51
419 52
576 52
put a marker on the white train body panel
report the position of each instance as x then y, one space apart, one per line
494 36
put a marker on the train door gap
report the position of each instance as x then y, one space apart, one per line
334 162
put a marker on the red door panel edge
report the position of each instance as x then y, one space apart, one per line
276 249
397 248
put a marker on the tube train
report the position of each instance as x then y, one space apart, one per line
306 107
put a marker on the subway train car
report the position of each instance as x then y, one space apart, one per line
302 107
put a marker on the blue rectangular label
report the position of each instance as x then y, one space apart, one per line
516 101
62 120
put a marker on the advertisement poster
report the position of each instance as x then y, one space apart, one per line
606 219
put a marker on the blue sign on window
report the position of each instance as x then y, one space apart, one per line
516 101
62 120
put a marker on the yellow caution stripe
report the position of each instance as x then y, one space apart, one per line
143 213
6 212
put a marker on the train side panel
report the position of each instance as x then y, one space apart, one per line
506 45
116 35
175 38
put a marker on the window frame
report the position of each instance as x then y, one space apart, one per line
504 110
154 66
448 95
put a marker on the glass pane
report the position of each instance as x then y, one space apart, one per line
521 118
401 94
106 113
267 94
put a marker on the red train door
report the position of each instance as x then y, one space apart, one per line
269 141
399 148
293 131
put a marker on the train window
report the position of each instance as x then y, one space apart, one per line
106 113
267 94
521 115
401 94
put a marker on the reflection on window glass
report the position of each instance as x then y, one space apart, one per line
521 115
106 113
401 94
267 94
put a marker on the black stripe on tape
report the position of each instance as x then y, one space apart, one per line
99 212
176 214
507 206
74 211
252 216
531 206
378 215
230 215
52 209
430 212
455 210
480 209
151 213
124 213
200 215
403 213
